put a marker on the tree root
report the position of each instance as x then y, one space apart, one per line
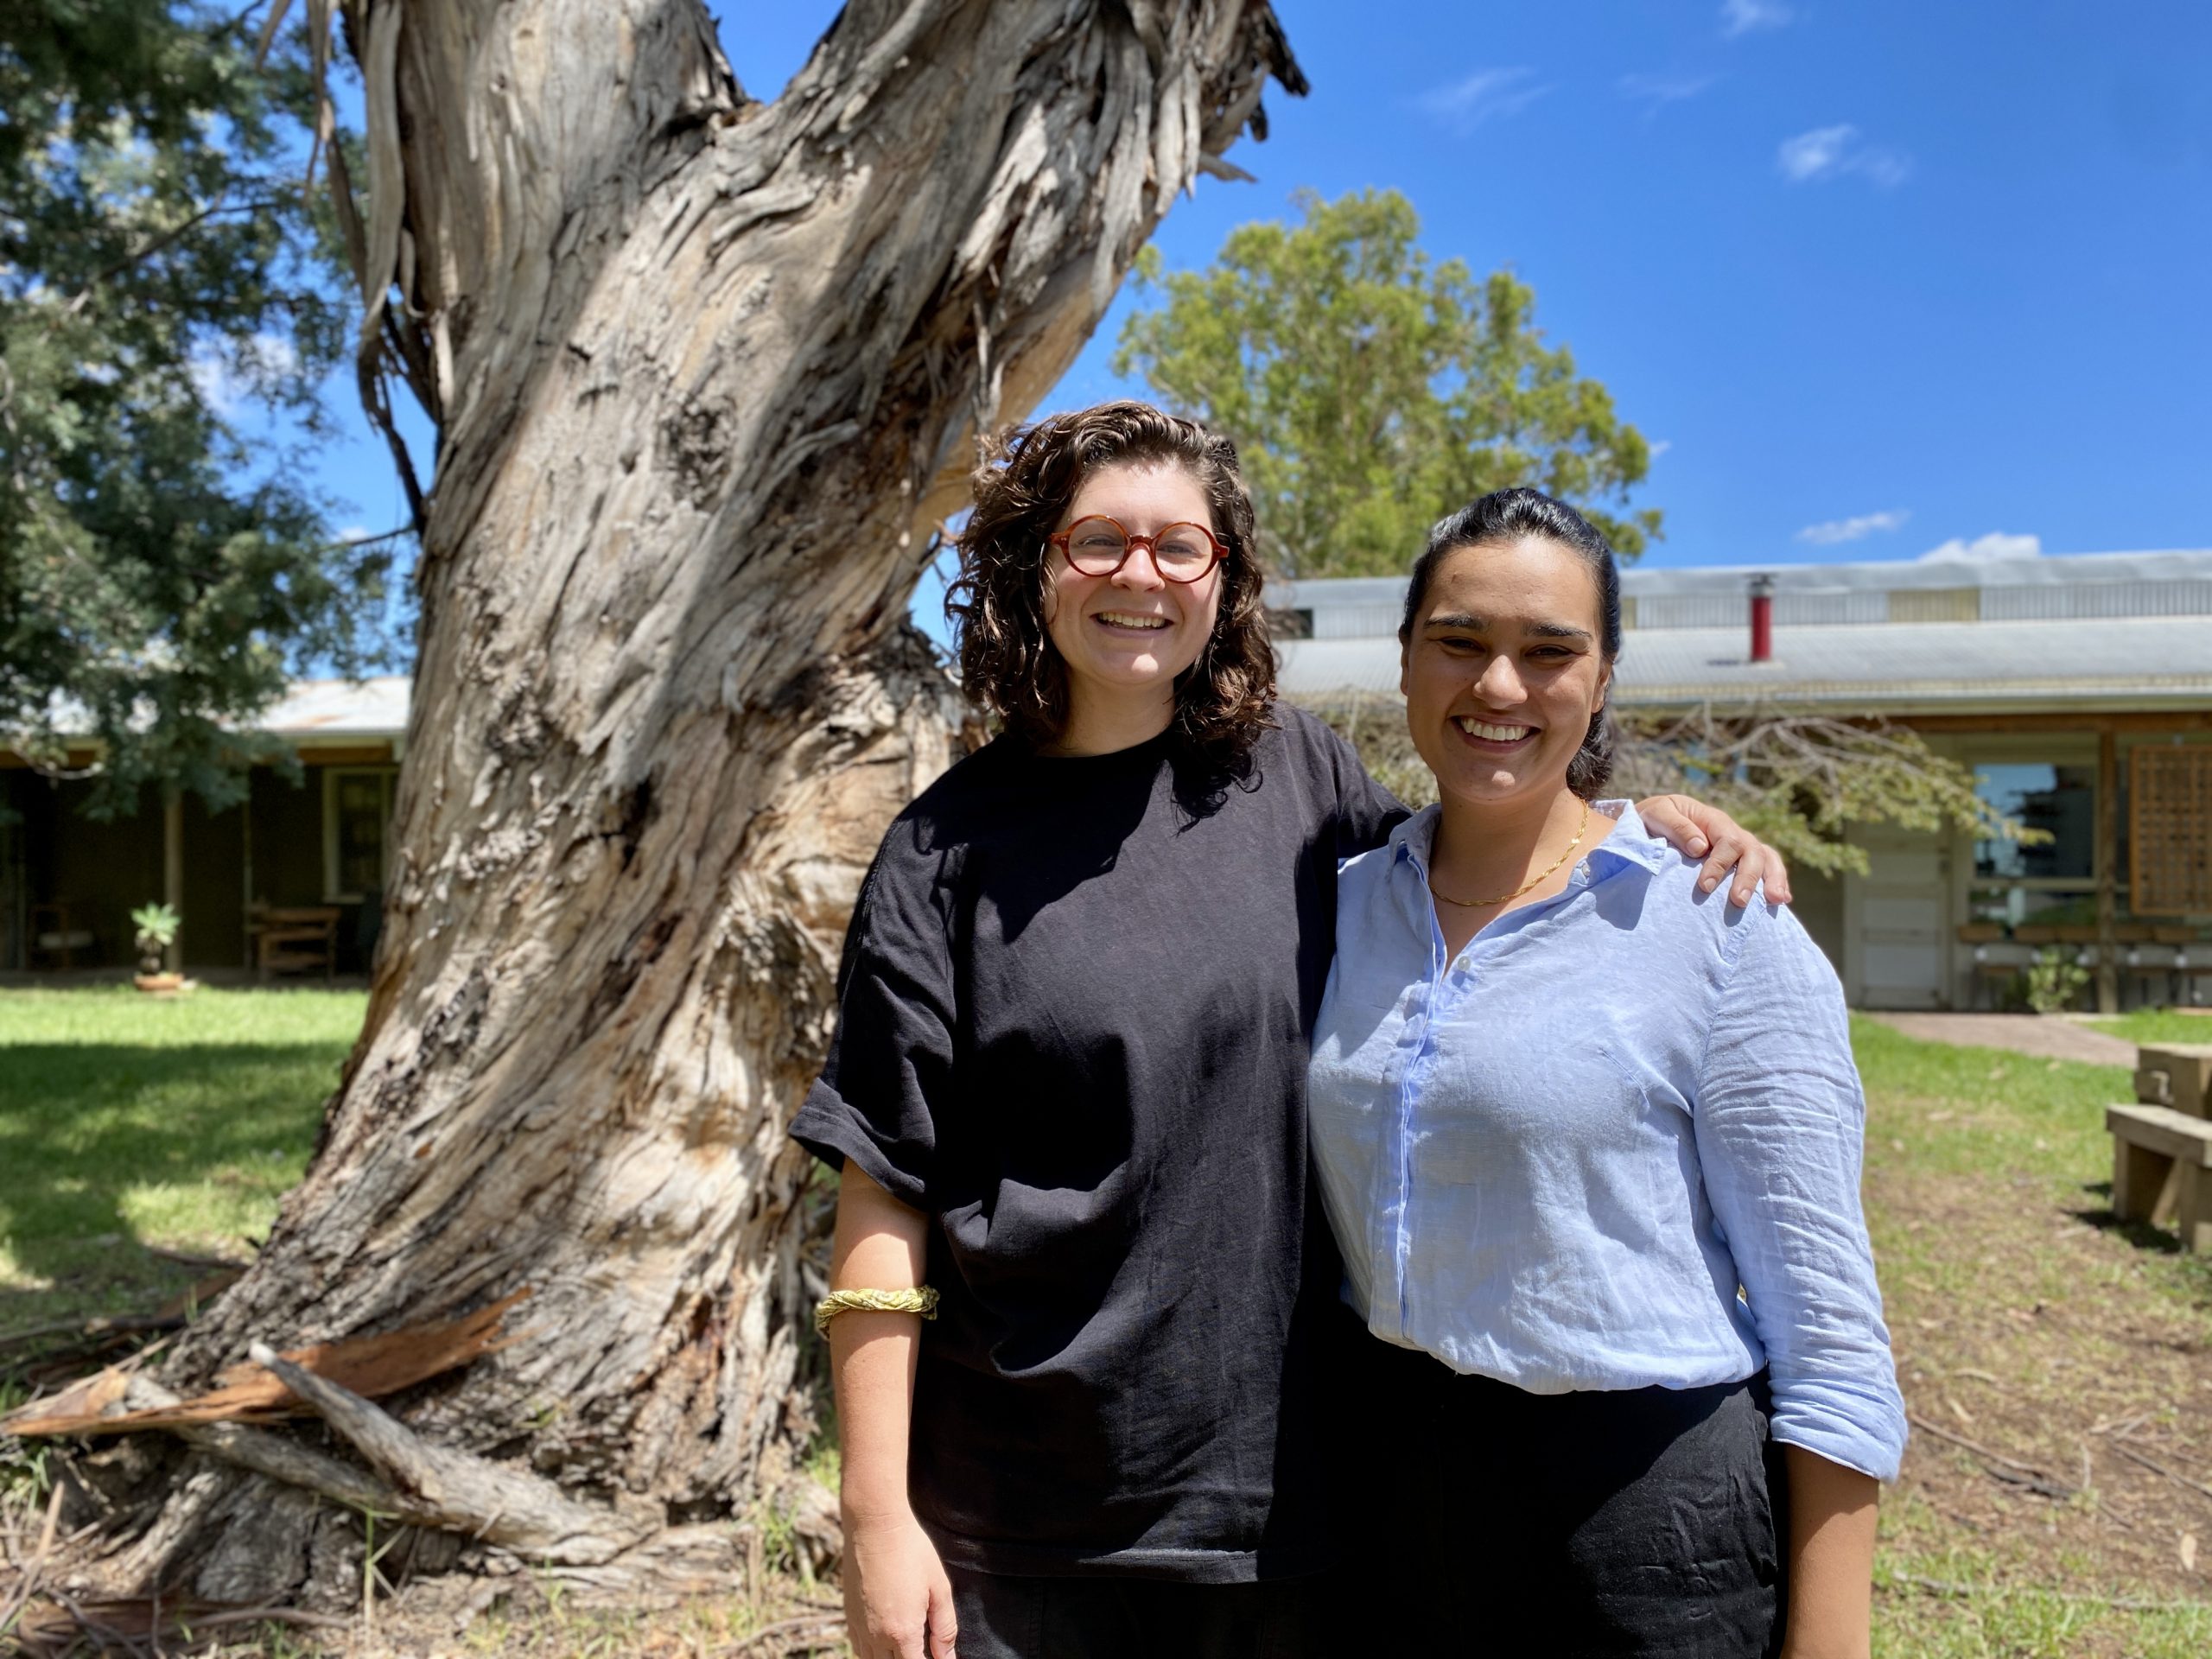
413 1482
435 1485
487 1512
497 1504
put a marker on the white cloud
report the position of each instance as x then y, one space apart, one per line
1852 529
1995 545
1811 153
228 379
1486 95
1744 17
1835 152
1887 168
1657 92
1659 446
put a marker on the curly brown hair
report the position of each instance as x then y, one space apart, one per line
1028 476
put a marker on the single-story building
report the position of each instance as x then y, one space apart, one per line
2077 688
68 883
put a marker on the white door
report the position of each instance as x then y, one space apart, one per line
1897 942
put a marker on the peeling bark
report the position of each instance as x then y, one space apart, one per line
706 373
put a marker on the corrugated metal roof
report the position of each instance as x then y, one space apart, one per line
2046 570
2108 629
2033 570
311 708
2143 662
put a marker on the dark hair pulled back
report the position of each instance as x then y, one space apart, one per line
1505 516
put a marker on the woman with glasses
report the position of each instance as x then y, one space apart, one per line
1080 1299
1590 1142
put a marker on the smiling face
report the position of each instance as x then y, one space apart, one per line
1503 671
1126 637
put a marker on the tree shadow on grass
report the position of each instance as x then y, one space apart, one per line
107 1148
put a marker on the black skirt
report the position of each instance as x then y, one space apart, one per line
1645 1521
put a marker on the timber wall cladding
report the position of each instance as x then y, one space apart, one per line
2169 831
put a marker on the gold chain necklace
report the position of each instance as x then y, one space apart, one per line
1582 830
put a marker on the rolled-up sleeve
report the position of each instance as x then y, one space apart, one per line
1780 1123
889 1074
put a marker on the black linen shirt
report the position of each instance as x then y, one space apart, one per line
1075 1003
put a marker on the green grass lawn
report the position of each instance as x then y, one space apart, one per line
127 1121
1961 1109
2158 1026
2014 1301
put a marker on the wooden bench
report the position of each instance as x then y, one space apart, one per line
2178 1075
2161 1164
292 940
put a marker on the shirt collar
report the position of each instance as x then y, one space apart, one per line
1631 843
1411 841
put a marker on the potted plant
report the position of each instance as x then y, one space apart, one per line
2055 978
155 927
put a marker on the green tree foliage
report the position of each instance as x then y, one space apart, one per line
1798 782
1371 390
162 281
1801 781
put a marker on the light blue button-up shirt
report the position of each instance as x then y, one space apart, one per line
1556 1159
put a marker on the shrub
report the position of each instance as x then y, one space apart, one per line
2055 978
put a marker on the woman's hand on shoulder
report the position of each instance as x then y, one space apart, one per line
1706 831
898 1599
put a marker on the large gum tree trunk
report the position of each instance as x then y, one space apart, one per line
706 372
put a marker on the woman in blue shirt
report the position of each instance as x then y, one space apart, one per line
1592 1140
1080 1307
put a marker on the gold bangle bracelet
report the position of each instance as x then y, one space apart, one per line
921 1299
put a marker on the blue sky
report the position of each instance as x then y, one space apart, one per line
1875 276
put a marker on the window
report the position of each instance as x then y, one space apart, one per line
2169 830
2022 907
356 820
1935 605
2059 800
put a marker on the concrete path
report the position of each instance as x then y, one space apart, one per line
2048 1036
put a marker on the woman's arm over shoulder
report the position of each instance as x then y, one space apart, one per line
1365 812
1779 1120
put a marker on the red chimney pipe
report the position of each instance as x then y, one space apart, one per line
1762 618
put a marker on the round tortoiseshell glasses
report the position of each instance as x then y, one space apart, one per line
1097 546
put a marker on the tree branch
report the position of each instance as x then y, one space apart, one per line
268 37
165 239
440 1487
391 534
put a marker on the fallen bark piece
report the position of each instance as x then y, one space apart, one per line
1999 1592
2125 1448
496 1503
368 1366
28 1582
819 1629
199 1259
82 1400
202 1291
52 1627
2039 1476
100 1326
